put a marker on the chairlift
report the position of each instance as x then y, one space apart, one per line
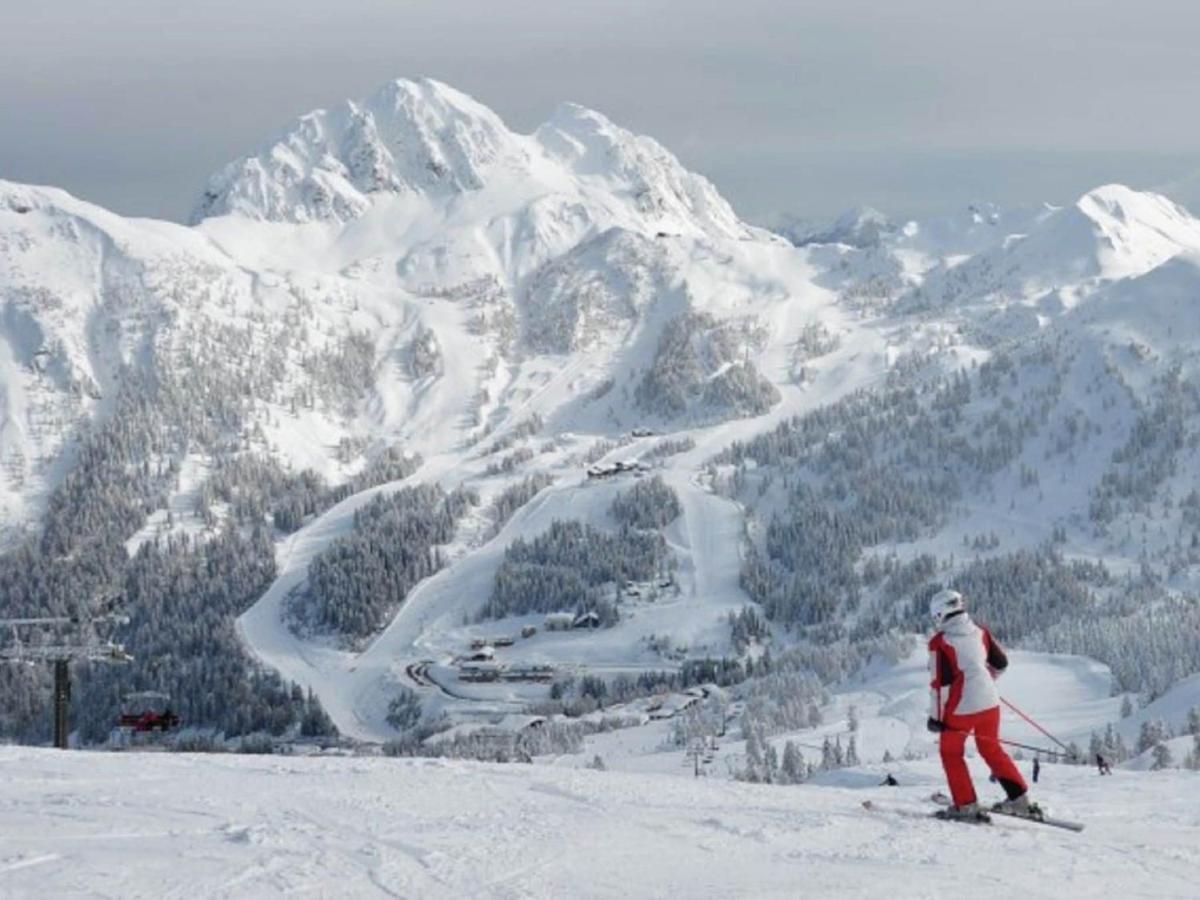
143 712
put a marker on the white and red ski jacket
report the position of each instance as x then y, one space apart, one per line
964 661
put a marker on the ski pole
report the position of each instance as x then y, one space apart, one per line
1034 749
1029 747
1036 725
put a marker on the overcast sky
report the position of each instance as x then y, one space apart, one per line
808 107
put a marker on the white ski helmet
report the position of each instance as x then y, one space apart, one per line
944 604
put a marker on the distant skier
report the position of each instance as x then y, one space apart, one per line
890 781
1037 768
1103 765
964 660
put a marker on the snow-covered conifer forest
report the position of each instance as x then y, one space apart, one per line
435 442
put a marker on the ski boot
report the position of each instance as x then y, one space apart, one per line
968 812
1021 807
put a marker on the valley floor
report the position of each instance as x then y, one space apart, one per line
166 825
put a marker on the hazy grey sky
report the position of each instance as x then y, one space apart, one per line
810 107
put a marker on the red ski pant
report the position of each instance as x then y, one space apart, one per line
986 728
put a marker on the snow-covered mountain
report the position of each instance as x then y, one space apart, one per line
425 141
1110 234
428 226
412 381
860 227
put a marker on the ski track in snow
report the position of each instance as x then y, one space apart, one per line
166 825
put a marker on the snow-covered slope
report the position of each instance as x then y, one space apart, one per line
83 293
136 826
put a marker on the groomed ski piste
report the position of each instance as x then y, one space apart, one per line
169 825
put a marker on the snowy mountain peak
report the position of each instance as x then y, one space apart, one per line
588 144
440 136
28 199
423 138
408 137
1109 234
1116 206
861 227
1135 230
1123 202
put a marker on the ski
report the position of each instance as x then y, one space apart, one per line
939 814
1042 819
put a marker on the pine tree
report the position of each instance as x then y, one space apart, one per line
755 764
404 710
793 769
1121 749
1110 739
1152 732
828 759
771 764
1162 756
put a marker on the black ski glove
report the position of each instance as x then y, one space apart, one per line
935 725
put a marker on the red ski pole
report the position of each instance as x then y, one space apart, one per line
1034 749
1037 726
1009 743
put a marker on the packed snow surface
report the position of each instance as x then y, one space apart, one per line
165 825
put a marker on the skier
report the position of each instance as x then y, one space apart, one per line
1037 769
1103 765
964 660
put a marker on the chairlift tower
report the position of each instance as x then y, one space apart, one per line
700 753
62 640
